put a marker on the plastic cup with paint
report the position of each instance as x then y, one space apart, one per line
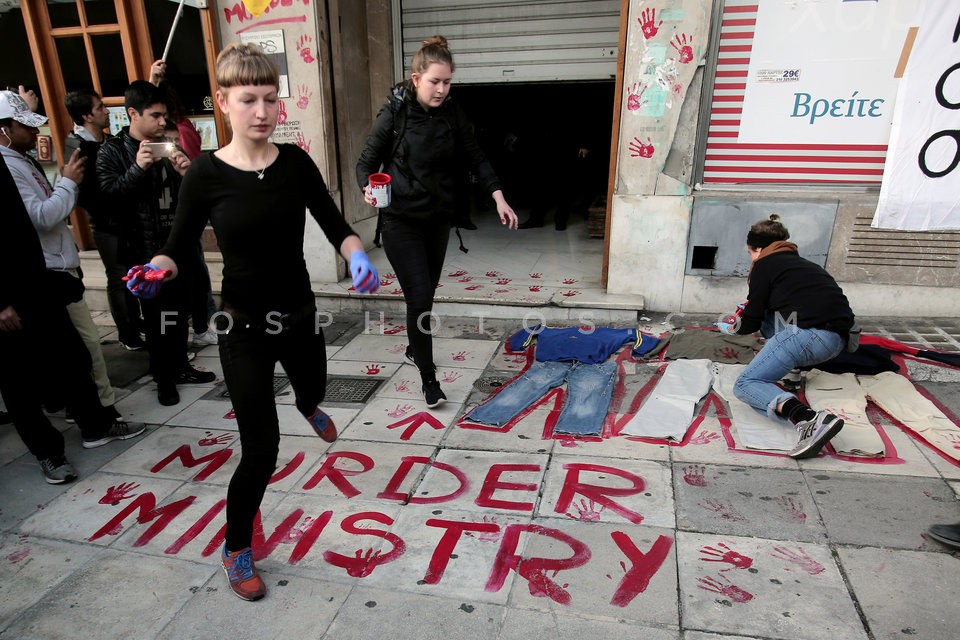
380 189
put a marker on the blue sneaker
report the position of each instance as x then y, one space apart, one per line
323 425
815 433
242 575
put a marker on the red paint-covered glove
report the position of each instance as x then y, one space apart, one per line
144 281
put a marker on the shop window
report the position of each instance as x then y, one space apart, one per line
800 94
111 69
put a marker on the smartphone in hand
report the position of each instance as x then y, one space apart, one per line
161 149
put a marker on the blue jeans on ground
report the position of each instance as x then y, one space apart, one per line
789 348
589 390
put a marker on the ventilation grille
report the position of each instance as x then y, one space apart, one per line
869 247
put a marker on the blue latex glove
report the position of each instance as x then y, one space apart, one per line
725 327
141 284
365 276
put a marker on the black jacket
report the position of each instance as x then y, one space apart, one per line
424 152
22 269
136 196
796 288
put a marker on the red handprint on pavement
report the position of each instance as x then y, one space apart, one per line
372 369
304 95
473 287
460 356
230 415
302 142
536 276
729 353
725 554
704 437
503 281
282 114
587 511
640 150
569 281
799 558
534 288
400 410
390 275
211 440
303 46
682 44
493 274
569 294
794 510
362 564
635 97
465 279
694 476
390 331
403 386
451 376
485 536
457 274
648 23
953 438
297 532
119 492
725 511
732 591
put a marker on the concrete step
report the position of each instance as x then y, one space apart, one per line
547 304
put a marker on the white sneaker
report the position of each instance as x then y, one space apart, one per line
206 338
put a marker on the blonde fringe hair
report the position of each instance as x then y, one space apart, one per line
432 50
245 64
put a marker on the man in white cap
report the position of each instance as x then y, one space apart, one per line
48 208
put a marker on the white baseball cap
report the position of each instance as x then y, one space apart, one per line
13 106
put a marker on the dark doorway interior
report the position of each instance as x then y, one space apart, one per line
549 143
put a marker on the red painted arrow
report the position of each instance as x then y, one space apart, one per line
414 422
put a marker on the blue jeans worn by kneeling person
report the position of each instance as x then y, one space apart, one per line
790 347
589 390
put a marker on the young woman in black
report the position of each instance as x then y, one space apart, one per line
255 194
422 139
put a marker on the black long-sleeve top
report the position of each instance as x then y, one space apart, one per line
787 284
259 224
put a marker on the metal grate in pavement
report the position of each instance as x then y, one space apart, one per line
489 384
279 384
351 390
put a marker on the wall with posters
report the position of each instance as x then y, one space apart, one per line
289 31
803 92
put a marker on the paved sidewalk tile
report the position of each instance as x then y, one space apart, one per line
925 585
765 588
735 500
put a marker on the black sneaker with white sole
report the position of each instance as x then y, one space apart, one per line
191 375
815 433
119 430
433 394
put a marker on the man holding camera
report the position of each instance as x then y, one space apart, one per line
139 175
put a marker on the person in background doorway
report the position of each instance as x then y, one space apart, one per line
90 119
806 319
424 160
142 182
255 194
182 131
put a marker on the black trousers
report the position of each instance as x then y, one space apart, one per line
48 347
416 250
248 356
124 306
166 319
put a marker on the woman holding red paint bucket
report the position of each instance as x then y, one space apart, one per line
422 139
255 194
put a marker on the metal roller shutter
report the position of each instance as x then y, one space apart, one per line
497 41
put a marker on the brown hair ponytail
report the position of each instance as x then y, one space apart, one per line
766 232
433 50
